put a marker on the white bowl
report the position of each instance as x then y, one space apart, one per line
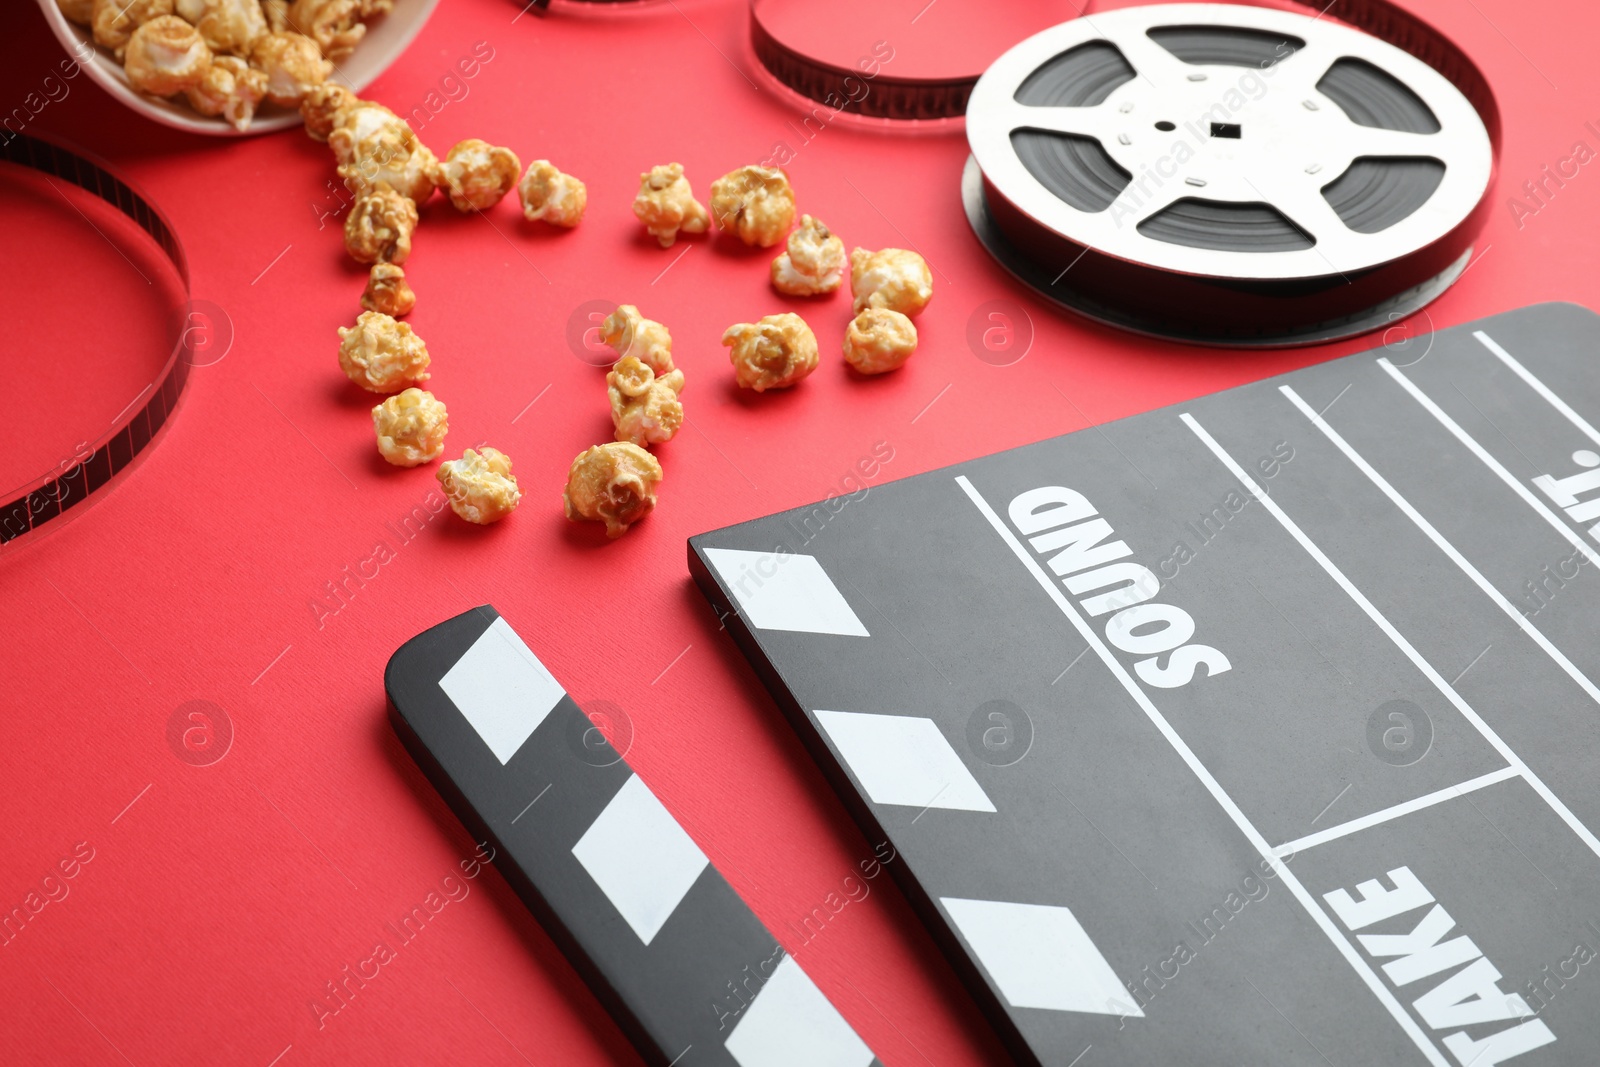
385 39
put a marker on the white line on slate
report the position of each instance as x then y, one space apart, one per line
1071 665
531 803
1457 679
1332 802
1449 792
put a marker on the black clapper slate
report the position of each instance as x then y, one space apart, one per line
1261 729
686 969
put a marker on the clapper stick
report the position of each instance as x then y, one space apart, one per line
683 965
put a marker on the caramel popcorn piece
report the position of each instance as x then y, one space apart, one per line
480 485
644 408
335 25
890 278
293 64
382 355
813 263
646 340
228 26
379 227
548 194
773 353
387 291
666 205
113 21
166 56
754 204
79 11
411 426
277 14
477 174
230 89
321 106
879 340
376 148
612 483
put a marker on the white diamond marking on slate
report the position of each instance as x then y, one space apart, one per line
904 760
1040 957
640 857
502 689
791 1024
785 592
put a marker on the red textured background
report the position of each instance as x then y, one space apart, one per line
220 903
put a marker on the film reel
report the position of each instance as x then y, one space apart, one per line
1224 174
74 480
896 61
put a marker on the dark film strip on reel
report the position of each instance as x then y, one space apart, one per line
901 99
51 494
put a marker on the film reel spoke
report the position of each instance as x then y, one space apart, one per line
1156 66
1301 70
1302 203
1149 207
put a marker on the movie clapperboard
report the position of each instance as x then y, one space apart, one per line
1262 729
677 958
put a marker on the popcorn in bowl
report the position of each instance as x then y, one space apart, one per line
307 37
231 88
227 26
292 63
166 56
